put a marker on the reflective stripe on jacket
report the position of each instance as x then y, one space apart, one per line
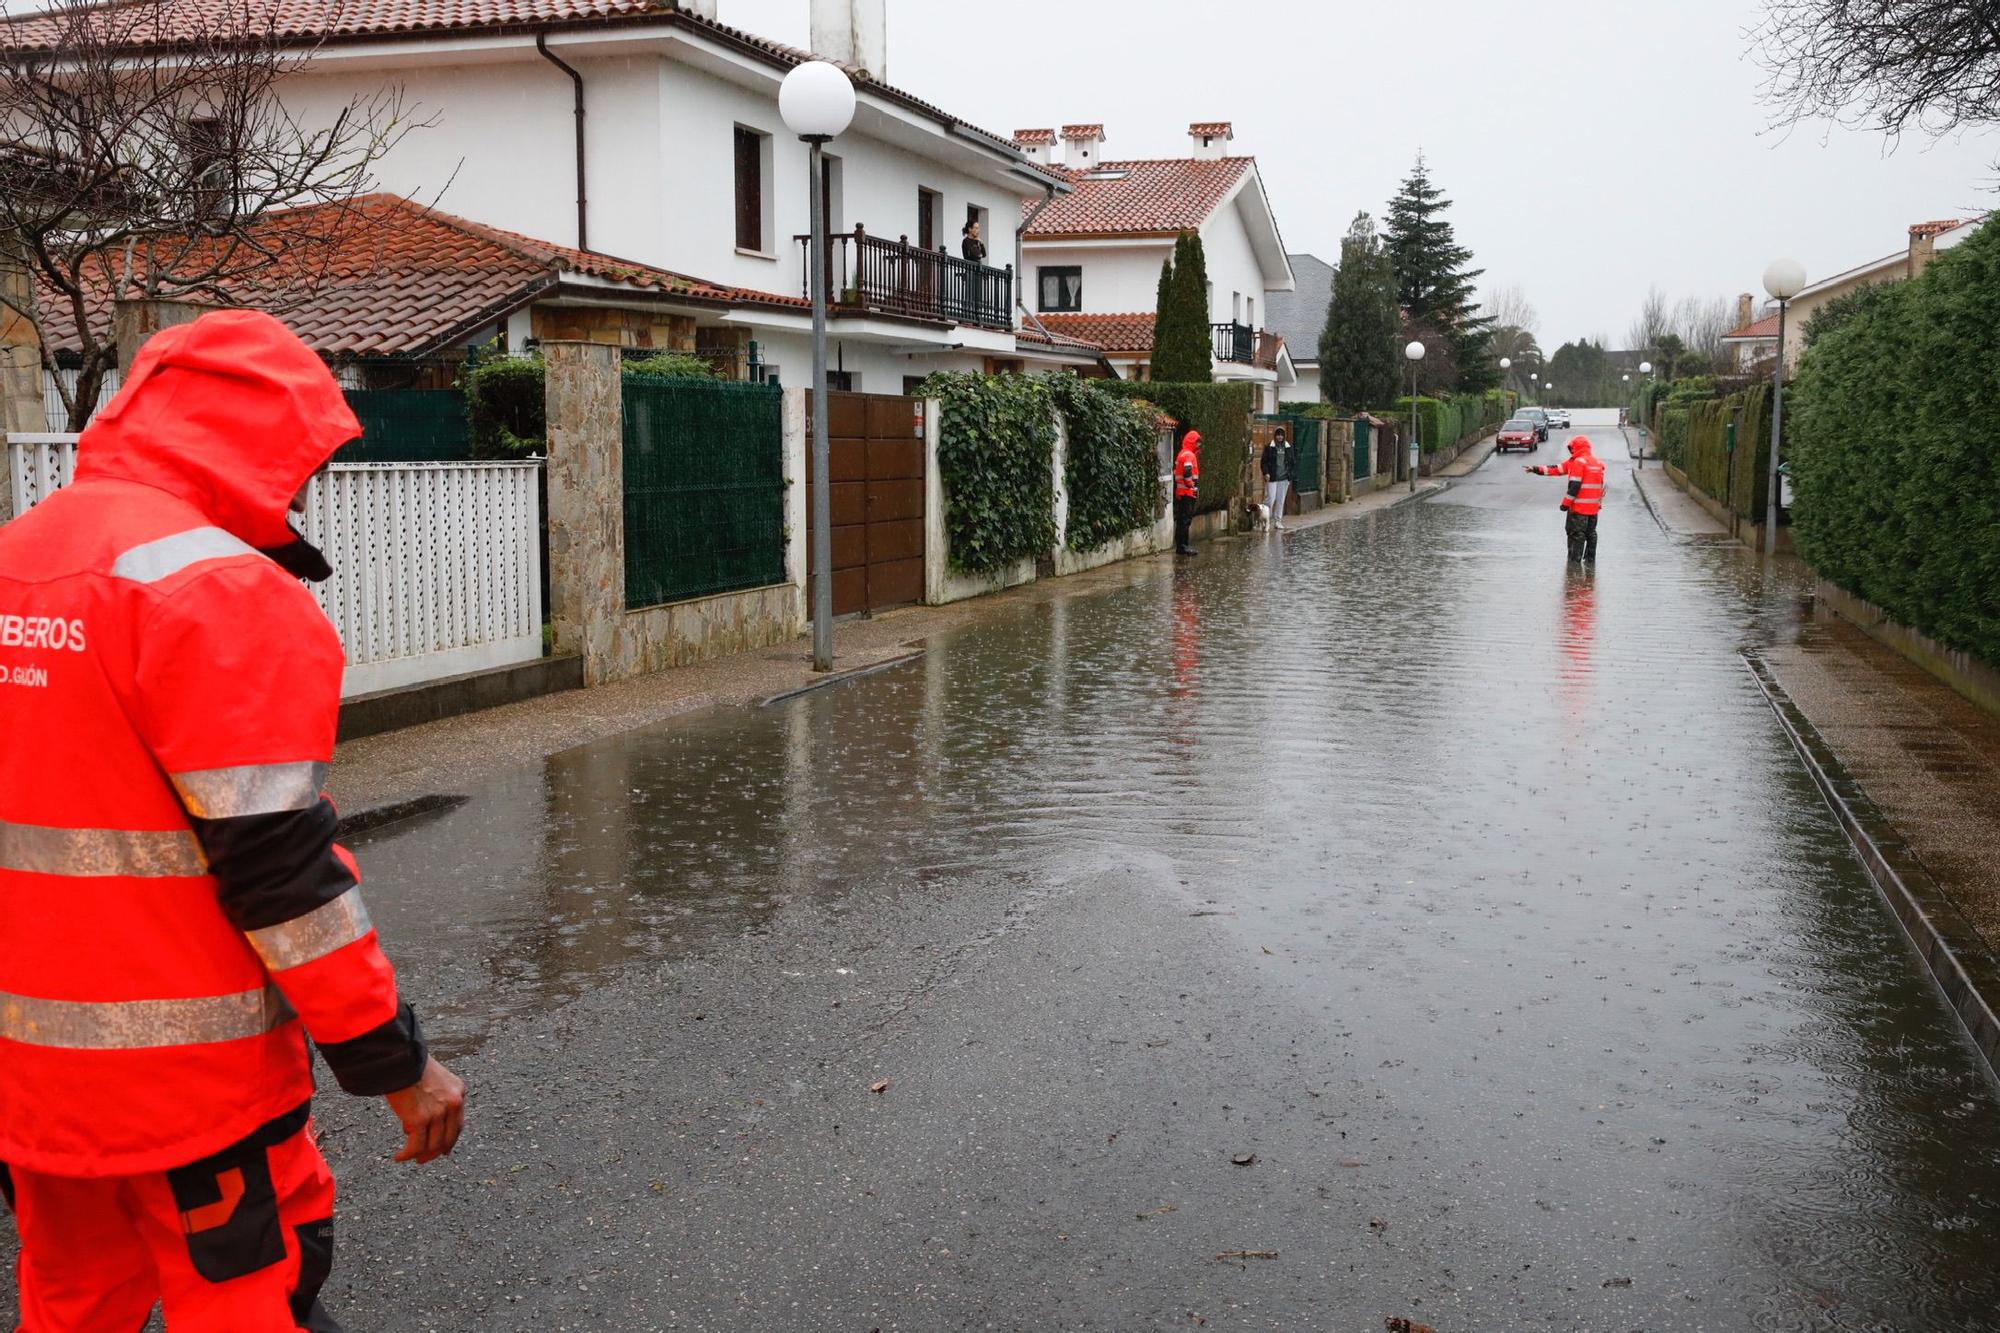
1585 493
1187 473
175 916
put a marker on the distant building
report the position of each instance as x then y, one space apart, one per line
1299 317
1093 255
1926 241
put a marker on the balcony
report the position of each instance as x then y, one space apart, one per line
869 275
1247 346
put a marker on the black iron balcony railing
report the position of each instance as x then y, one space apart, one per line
868 274
1235 342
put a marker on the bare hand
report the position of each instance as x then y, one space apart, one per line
432 1111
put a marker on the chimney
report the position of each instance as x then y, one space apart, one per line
1080 146
1039 145
701 9
853 33
1746 309
1923 244
1211 139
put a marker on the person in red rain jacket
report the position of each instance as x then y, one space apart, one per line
1187 487
1582 499
176 919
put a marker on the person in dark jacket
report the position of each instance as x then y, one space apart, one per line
1280 459
970 245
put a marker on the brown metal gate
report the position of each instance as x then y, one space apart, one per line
876 463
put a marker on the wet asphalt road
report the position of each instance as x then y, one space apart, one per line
1480 904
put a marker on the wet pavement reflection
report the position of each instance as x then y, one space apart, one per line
1543 867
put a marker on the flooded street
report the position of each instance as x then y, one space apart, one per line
1436 932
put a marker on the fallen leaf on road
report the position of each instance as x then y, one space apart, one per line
1378 1223
880 1085
1244 1159
1161 1211
1352 1161
1267 951
1248 1254
1618 1282
1400 1325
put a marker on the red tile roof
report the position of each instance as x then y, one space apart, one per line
1114 333
1212 129
1083 131
1028 333
152 24
1939 228
1146 197
385 277
1763 328
1034 136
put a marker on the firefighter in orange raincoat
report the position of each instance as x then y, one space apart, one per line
176 919
1583 498
1187 488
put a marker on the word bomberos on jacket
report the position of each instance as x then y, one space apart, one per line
176 918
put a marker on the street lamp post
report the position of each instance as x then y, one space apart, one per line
1413 353
1505 364
1783 280
1645 368
816 101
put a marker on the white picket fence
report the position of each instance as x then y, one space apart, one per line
437 567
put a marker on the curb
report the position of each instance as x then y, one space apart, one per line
1647 496
839 678
1956 957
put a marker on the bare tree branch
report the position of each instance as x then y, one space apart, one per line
1887 65
142 158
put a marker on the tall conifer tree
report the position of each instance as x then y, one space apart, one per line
1434 280
1358 358
1181 336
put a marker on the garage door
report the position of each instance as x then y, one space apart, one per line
877 472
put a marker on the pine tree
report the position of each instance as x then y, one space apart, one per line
1181 337
1433 280
1357 348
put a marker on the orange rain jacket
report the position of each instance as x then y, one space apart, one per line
175 916
1187 466
1586 478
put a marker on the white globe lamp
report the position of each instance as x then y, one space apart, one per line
816 100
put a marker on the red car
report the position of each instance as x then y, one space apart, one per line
1520 433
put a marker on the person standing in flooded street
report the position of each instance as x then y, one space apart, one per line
1187 490
176 919
1582 498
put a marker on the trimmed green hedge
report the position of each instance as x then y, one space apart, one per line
1699 436
506 398
996 452
1112 469
1443 422
1896 478
1221 412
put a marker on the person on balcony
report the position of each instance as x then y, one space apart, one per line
970 245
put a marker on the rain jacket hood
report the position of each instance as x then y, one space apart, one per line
1579 444
231 413
1191 440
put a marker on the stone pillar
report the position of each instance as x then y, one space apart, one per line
20 354
132 322
586 474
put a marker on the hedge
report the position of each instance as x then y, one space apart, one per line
506 398
996 446
1699 435
1221 412
1112 468
1443 422
1897 482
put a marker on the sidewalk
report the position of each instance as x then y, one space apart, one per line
1920 769
451 756
1675 511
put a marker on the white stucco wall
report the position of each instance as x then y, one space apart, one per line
1122 277
659 138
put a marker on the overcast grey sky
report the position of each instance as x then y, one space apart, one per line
1590 146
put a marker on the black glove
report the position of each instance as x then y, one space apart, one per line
301 559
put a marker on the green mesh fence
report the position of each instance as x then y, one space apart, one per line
704 488
408 426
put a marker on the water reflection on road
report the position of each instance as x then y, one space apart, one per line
1551 870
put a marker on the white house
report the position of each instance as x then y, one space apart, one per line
1094 254
1926 241
647 131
